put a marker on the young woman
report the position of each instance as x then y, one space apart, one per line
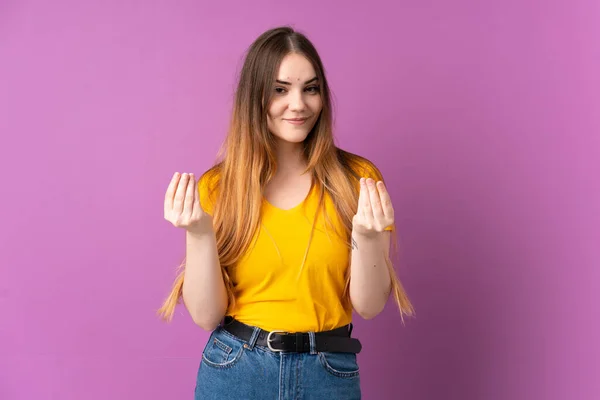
286 236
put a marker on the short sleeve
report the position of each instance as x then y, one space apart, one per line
207 191
369 170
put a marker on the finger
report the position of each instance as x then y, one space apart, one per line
188 204
366 207
386 201
170 194
374 199
361 198
180 194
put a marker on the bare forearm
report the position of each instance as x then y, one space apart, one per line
370 280
204 291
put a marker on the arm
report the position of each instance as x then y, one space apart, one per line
203 289
370 280
204 293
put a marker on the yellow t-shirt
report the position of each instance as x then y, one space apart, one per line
272 291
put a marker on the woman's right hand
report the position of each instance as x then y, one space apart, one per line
182 205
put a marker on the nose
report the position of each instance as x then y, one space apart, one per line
296 101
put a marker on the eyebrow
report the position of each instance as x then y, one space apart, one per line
306 83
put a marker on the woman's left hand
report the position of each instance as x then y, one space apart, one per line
375 211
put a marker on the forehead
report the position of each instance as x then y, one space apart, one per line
295 67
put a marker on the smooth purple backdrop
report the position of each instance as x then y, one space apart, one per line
483 116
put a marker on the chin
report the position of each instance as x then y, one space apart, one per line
292 140
294 137
298 139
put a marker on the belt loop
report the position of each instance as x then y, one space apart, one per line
254 337
313 345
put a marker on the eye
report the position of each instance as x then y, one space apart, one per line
279 90
312 89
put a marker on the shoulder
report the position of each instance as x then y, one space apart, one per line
359 166
211 177
208 188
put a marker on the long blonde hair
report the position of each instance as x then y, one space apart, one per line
249 162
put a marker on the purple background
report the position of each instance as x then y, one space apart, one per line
483 116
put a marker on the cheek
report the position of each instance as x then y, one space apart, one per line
275 110
274 118
316 105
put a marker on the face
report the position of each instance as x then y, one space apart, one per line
296 102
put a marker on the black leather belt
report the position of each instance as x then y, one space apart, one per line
335 341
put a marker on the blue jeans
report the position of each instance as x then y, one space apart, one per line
235 369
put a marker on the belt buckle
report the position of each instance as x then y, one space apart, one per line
270 339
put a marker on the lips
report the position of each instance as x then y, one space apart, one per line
296 121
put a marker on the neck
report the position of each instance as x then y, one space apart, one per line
290 157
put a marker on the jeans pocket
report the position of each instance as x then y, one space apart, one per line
342 365
222 350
